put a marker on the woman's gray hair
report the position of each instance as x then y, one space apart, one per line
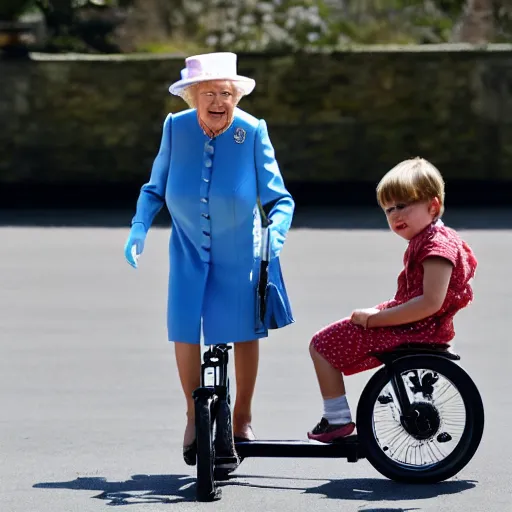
189 94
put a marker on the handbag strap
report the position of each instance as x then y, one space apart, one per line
264 219
265 223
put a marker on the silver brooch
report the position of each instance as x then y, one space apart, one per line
239 135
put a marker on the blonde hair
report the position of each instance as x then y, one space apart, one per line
412 180
189 94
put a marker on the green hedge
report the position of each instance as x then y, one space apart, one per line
341 116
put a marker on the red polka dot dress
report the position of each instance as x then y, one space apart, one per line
347 346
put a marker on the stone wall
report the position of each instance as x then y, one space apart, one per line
347 116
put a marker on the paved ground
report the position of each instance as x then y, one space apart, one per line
91 412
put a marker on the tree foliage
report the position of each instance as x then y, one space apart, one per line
270 25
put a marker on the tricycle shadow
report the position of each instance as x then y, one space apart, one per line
361 489
148 489
139 489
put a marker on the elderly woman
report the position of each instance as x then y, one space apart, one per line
214 161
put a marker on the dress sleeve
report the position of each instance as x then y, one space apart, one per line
152 194
441 245
275 199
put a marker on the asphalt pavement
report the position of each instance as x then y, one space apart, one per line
91 411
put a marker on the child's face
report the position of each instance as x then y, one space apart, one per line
408 219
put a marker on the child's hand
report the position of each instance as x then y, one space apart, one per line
360 316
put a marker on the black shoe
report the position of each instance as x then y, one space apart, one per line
238 439
243 439
224 466
190 454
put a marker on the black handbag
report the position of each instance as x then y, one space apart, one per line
273 309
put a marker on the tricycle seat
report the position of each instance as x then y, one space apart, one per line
439 349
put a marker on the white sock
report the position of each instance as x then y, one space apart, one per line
337 411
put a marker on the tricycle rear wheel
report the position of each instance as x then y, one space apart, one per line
427 447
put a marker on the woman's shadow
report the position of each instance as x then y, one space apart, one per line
141 489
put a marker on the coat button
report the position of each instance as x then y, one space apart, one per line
205 215
208 162
204 200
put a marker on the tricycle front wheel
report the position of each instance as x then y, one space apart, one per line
205 482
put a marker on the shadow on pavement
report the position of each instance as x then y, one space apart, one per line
148 489
387 509
305 217
366 489
138 490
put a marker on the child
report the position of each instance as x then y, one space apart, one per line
432 287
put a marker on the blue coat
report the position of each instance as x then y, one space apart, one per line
210 189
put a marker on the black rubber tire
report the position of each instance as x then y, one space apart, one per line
467 445
225 451
205 482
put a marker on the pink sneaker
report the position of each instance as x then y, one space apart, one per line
327 433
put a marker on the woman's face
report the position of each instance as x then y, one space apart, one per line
215 102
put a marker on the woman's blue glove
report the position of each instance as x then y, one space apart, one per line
135 243
276 242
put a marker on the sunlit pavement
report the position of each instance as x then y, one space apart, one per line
91 409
